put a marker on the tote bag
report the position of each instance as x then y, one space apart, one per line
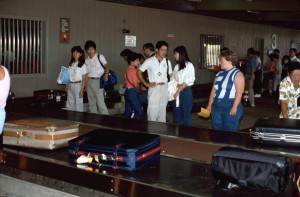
64 76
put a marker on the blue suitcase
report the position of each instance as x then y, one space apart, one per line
115 149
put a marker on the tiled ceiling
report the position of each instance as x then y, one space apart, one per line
282 13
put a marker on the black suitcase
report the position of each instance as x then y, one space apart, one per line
245 168
277 131
115 149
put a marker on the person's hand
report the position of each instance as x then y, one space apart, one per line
208 108
233 111
151 84
176 95
105 77
81 93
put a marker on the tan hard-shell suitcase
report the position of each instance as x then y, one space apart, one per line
41 133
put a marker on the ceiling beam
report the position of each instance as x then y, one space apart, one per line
259 5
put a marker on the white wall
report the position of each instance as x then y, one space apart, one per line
103 22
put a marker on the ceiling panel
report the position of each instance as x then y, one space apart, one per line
282 13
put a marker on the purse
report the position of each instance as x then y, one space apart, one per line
64 76
112 77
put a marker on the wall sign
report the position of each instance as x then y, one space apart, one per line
130 41
274 41
64 30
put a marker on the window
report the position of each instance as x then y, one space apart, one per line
210 46
22 45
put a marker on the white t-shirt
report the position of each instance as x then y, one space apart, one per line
186 75
94 67
294 59
4 87
76 72
157 71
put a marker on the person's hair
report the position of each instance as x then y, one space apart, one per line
89 44
276 51
286 57
273 56
294 50
132 57
229 56
161 43
293 66
149 46
251 51
257 53
81 58
125 52
183 56
224 49
140 56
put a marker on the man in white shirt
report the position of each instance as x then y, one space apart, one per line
292 54
158 68
148 50
95 71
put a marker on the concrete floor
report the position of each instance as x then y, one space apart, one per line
265 107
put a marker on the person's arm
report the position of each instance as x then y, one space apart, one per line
284 108
141 78
211 97
106 72
2 73
83 84
170 69
239 83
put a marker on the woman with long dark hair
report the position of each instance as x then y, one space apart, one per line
76 87
184 77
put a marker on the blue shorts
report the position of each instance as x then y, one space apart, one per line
2 119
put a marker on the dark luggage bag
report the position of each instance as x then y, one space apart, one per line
276 131
116 149
246 168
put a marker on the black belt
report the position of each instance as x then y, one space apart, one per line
94 77
76 82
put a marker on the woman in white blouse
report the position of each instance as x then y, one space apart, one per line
184 75
76 87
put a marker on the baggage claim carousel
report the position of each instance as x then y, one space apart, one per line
183 168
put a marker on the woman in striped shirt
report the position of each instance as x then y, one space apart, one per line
225 97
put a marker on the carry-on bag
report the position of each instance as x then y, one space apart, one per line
41 133
115 149
276 131
252 169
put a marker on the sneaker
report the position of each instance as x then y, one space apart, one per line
257 95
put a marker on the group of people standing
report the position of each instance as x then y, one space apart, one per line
280 79
145 81
154 76
85 76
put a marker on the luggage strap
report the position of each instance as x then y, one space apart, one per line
115 155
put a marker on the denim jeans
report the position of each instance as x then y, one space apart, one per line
132 104
183 112
221 119
2 119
